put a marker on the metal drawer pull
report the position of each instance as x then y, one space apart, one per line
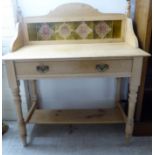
102 67
42 68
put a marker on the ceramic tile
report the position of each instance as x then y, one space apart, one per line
74 30
103 29
117 29
32 32
64 31
45 31
85 30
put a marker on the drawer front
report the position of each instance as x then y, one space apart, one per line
83 67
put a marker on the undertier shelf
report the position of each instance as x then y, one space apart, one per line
98 116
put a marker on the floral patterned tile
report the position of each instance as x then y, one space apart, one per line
103 29
84 30
45 31
74 30
64 31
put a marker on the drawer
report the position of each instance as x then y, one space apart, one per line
82 67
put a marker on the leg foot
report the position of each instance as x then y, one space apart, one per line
128 138
23 135
24 142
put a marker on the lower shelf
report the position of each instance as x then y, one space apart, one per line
98 116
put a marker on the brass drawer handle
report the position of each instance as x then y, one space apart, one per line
102 67
42 68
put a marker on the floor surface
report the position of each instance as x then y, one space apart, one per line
74 140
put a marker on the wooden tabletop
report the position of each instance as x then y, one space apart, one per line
75 51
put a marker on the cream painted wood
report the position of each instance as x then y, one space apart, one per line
130 36
134 84
76 51
28 70
72 58
31 111
84 41
21 122
18 40
73 17
14 85
72 116
118 105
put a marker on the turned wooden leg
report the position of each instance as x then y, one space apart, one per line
131 111
21 123
134 85
14 85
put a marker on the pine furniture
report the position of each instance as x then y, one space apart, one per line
74 40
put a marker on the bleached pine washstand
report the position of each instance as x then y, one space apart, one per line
74 40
